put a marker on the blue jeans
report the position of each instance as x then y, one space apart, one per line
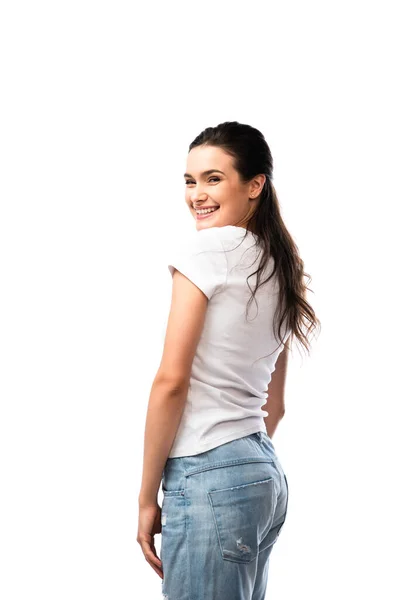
221 514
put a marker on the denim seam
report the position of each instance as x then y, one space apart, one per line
226 463
187 545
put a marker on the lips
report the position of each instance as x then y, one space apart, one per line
207 215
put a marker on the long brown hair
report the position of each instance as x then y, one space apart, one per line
252 156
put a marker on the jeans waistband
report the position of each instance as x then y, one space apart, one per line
256 447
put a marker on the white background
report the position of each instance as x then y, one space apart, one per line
99 103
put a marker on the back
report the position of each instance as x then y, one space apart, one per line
231 369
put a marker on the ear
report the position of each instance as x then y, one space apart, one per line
257 186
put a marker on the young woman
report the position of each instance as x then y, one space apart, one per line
238 300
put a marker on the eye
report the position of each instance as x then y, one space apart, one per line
187 182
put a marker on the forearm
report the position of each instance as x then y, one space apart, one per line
272 421
164 413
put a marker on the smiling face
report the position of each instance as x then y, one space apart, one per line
212 182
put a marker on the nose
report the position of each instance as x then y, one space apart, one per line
195 197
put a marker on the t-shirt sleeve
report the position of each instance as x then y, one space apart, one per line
201 258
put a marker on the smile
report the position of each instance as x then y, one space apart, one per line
205 213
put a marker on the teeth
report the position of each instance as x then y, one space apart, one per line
205 211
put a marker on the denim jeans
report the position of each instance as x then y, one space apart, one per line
221 514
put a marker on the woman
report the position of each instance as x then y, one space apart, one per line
207 438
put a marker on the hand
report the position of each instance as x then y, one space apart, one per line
149 525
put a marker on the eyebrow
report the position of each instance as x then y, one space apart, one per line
205 173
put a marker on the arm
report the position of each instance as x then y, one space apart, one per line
275 405
169 390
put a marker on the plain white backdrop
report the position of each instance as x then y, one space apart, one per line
99 103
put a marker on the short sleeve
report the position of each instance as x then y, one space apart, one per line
201 258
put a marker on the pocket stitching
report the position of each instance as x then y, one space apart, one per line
243 485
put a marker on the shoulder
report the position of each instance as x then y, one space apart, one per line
197 241
199 255
211 235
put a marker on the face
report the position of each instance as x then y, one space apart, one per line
212 182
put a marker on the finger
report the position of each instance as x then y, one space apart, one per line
152 558
156 569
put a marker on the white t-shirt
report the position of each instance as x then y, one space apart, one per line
229 376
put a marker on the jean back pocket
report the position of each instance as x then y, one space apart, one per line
243 514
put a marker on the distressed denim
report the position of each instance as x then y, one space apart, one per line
221 514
